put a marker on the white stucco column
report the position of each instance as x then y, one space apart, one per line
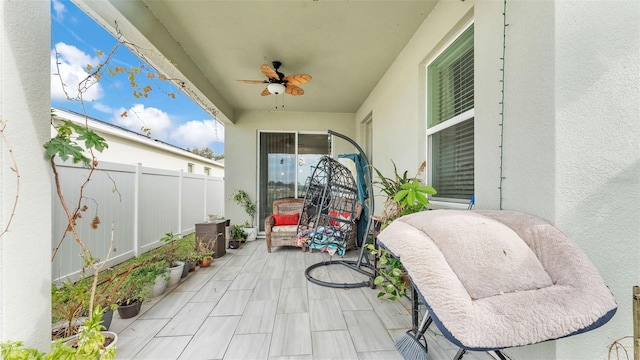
25 266
597 101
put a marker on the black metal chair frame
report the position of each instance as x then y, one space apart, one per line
363 264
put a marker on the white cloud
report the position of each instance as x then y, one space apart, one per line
71 67
156 120
59 10
102 108
199 133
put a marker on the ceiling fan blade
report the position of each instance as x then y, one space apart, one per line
297 79
254 81
269 72
265 92
293 90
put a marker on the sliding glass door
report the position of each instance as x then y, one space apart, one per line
286 161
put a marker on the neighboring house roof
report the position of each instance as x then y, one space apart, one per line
123 133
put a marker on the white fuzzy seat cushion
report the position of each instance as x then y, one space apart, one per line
497 279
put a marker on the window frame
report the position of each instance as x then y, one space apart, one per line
467 115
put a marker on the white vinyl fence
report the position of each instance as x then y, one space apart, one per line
135 204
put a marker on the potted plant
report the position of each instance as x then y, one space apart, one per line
186 252
91 342
138 286
242 198
175 265
69 304
403 195
205 252
238 235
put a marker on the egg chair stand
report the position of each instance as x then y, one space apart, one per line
330 205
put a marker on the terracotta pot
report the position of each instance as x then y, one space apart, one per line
206 262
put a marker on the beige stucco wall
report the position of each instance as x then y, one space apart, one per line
242 153
571 129
25 266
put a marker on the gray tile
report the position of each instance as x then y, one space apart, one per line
295 263
244 280
188 320
274 267
258 317
392 313
271 314
238 260
249 346
169 305
293 300
385 355
367 331
315 291
267 289
254 265
132 339
227 273
353 299
325 314
291 335
212 291
164 348
294 279
232 303
195 281
330 345
212 339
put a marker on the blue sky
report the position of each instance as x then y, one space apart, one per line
77 39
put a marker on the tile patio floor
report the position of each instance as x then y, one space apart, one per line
250 304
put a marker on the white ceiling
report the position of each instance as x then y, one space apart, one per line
346 46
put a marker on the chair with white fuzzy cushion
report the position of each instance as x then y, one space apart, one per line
497 279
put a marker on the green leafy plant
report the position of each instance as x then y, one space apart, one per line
170 253
238 233
69 302
241 198
403 195
136 286
90 345
391 275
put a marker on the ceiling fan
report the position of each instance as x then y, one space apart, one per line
277 83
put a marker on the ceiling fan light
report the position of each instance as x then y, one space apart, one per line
276 88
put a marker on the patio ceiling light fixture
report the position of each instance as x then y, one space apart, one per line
276 88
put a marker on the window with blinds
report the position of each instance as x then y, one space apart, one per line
450 115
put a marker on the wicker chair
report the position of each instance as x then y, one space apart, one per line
282 235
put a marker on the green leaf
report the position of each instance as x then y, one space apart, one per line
93 140
426 189
396 272
65 148
400 195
